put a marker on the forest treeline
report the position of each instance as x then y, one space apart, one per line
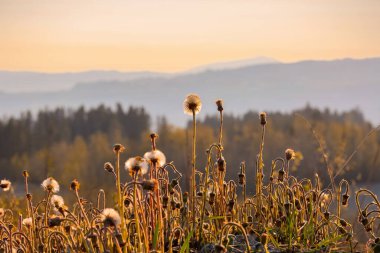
68 144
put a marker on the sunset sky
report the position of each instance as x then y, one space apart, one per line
75 35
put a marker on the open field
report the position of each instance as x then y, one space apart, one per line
285 213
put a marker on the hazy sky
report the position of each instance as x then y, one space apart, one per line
72 35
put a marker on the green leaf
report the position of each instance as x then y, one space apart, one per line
186 244
155 236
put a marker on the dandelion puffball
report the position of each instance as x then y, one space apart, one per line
156 156
27 222
5 185
192 104
50 184
137 165
57 201
110 217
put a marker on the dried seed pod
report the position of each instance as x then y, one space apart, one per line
53 222
165 200
108 167
75 185
149 185
25 173
127 202
221 164
211 199
326 215
263 118
290 154
172 204
345 198
219 104
281 173
364 221
174 183
118 148
170 189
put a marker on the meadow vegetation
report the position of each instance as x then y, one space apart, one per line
203 203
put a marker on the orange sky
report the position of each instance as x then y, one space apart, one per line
74 35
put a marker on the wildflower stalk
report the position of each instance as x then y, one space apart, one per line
260 164
82 208
119 195
47 204
136 213
193 185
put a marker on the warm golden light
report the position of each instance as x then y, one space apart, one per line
71 35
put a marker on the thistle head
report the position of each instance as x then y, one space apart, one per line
137 165
27 222
57 201
5 185
109 167
290 154
263 118
50 185
155 157
118 148
75 185
110 217
192 104
25 173
221 164
219 104
149 185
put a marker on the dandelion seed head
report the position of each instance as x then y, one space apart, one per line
118 148
27 222
219 104
192 104
108 167
5 184
50 184
290 154
110 217
150 185
263 118
75 185
137 165
57 201
156 156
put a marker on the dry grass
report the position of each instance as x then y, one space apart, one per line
153 214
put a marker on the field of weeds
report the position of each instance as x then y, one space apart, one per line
152 213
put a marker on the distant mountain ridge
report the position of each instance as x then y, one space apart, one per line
339 84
